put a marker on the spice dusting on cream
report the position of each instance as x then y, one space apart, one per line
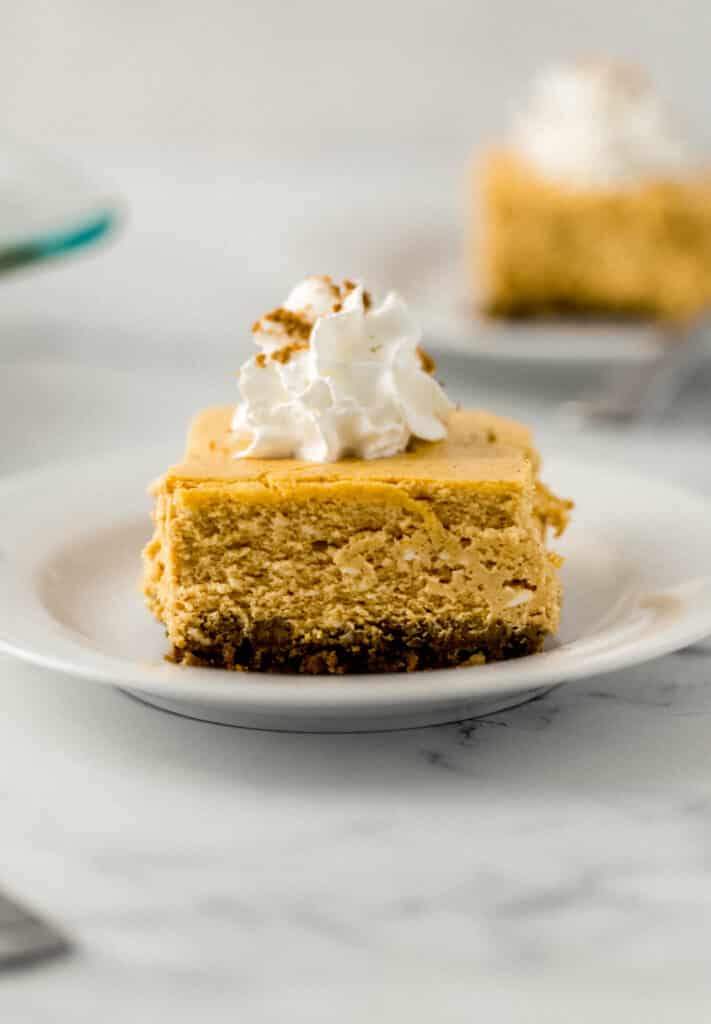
337 376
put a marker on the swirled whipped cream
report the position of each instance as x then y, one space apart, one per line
595 123
335 377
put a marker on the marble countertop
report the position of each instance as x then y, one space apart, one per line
550 863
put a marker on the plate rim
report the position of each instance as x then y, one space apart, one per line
92 211
453 326
452 333
328 695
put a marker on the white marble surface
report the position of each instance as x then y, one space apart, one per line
552 863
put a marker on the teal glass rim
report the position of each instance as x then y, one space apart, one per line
60 242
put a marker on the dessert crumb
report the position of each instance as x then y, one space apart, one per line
426 361
284 354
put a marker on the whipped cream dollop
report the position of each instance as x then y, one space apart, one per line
335 377
595 123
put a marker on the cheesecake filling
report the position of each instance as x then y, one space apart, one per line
598 124
435 557
309 577
336 377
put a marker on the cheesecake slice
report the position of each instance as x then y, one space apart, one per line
436 556
641 250
594 204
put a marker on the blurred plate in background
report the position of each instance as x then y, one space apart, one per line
450 326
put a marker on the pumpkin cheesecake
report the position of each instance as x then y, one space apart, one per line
593 206
388 532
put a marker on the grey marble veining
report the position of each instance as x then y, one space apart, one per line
566 841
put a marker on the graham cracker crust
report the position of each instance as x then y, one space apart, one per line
272 646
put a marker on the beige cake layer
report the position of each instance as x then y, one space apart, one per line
434 557
543 247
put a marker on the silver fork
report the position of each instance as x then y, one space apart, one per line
630 394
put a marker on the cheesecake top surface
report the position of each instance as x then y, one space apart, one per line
691 186
479 448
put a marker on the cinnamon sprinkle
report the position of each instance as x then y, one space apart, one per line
328 280
294 324
348 286
284 354
426 361
297 325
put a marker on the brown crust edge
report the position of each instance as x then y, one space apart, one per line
273 647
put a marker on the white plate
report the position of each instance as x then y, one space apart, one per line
450 325
637 578
562 342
